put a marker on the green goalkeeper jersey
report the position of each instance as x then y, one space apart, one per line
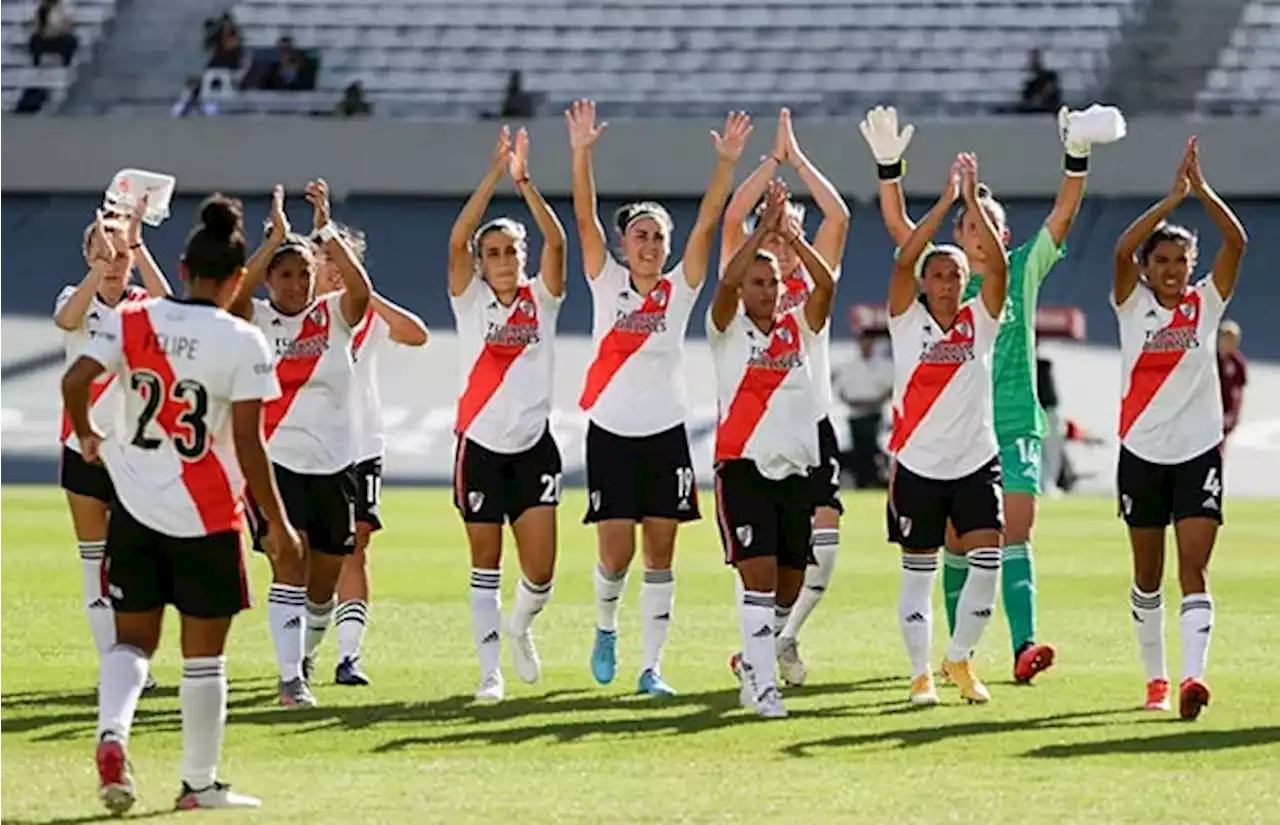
1017 404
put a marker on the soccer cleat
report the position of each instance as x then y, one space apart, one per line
769 704
115 784
525 657
1193 697
1032 659
961 673
492 688
923 693
1157 695
217 795
604 656
651 684
790 665
295 693
308 668
746 682
349 673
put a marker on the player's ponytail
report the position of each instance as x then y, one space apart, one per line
216 248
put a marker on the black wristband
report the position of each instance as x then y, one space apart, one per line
892 171
1075 166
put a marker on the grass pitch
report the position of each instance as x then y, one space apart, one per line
414 749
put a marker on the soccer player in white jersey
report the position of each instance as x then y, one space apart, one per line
946 464
310 428
384 323
112 247
639 471
194 379
766 444
507 467
829 243
1171 422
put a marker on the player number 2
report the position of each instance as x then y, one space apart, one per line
684 482
1212 484
194 399
550 488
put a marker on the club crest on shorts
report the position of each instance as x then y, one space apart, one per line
744 534
1126 504
475 500
595 500
904 526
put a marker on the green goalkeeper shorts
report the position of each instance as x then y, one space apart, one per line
1020 462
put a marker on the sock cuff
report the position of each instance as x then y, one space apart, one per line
1146 601
322 608
1017 550
610 575
826 537
920 562
659 576
954 561
355 610
1196 601
535 589
486 579
984 558
92 550
204 667
294 595
759 598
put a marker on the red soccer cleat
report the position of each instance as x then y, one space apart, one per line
115 785
1193 697
1157 695
1032 659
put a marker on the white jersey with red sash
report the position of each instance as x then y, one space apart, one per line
181 366
795 291
764 394
635 383
372 334
310 428
1171 405
943 413
507 356
104 395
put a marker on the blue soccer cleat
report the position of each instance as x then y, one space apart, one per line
651 684
349 673
604 656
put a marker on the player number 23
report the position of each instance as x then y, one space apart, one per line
185 425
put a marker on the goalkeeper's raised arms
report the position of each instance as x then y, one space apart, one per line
1080 130
888 144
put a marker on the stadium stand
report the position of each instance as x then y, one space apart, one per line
92 17
1247 77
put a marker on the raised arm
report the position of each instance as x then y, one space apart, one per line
1226 266
255 269
70 315
725 303
1075 171
583 134
552 267
834 230
748 194
461 265
405 327
880 130
817 307
1126 265
902 284
152 276
356 288
729 146
995 281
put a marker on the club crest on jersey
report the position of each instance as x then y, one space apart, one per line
526 308
318 315
475 500
964 330
1187 309
745 534
784 335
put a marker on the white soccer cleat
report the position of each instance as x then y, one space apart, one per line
492 688
790 665
524 656
769 704
217 795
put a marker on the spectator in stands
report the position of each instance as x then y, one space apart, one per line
516 102
292 70
222 38
353 103
191 103
53 31
1042 91
865 383
1232 370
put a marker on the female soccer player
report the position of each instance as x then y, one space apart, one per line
309 428
113 245
1020 421
638 465
1170 467
508 465
829 244
384 322
194 381
766 446
946 464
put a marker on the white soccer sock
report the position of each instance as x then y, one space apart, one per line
486 617
817 577
759 646
203 696
122 672
318 616
915 608
657 594
1196 624
530 599
977 602
285 605
609 587
97 604
780 617
1147 610
350 622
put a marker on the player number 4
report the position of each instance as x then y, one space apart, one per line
550 488
1212 483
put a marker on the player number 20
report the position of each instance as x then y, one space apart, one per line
550 488
190 396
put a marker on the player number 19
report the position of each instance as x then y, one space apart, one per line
684 482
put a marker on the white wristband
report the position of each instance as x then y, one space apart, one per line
327 232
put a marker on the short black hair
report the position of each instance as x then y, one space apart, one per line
1168 232
216 248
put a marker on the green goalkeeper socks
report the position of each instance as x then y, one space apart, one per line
955 570
1018 591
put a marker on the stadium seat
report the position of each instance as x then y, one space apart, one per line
91 17
1246 79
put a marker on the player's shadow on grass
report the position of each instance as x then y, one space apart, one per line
917 736
82 820
1187 740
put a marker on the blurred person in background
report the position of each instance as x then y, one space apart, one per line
353 103
516 102
865 384
52 31
291 70
1042 91
222 39
1232 375
1055 436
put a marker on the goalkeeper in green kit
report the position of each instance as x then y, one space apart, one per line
1019 420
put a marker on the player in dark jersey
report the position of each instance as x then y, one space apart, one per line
1233 372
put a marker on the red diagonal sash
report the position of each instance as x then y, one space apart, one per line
1154 366
620 344
928 381
759 383
495 359
366 326
205 478
795 293
96 390
294 371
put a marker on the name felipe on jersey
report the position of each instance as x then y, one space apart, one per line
174 346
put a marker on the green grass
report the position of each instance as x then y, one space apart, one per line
413 749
